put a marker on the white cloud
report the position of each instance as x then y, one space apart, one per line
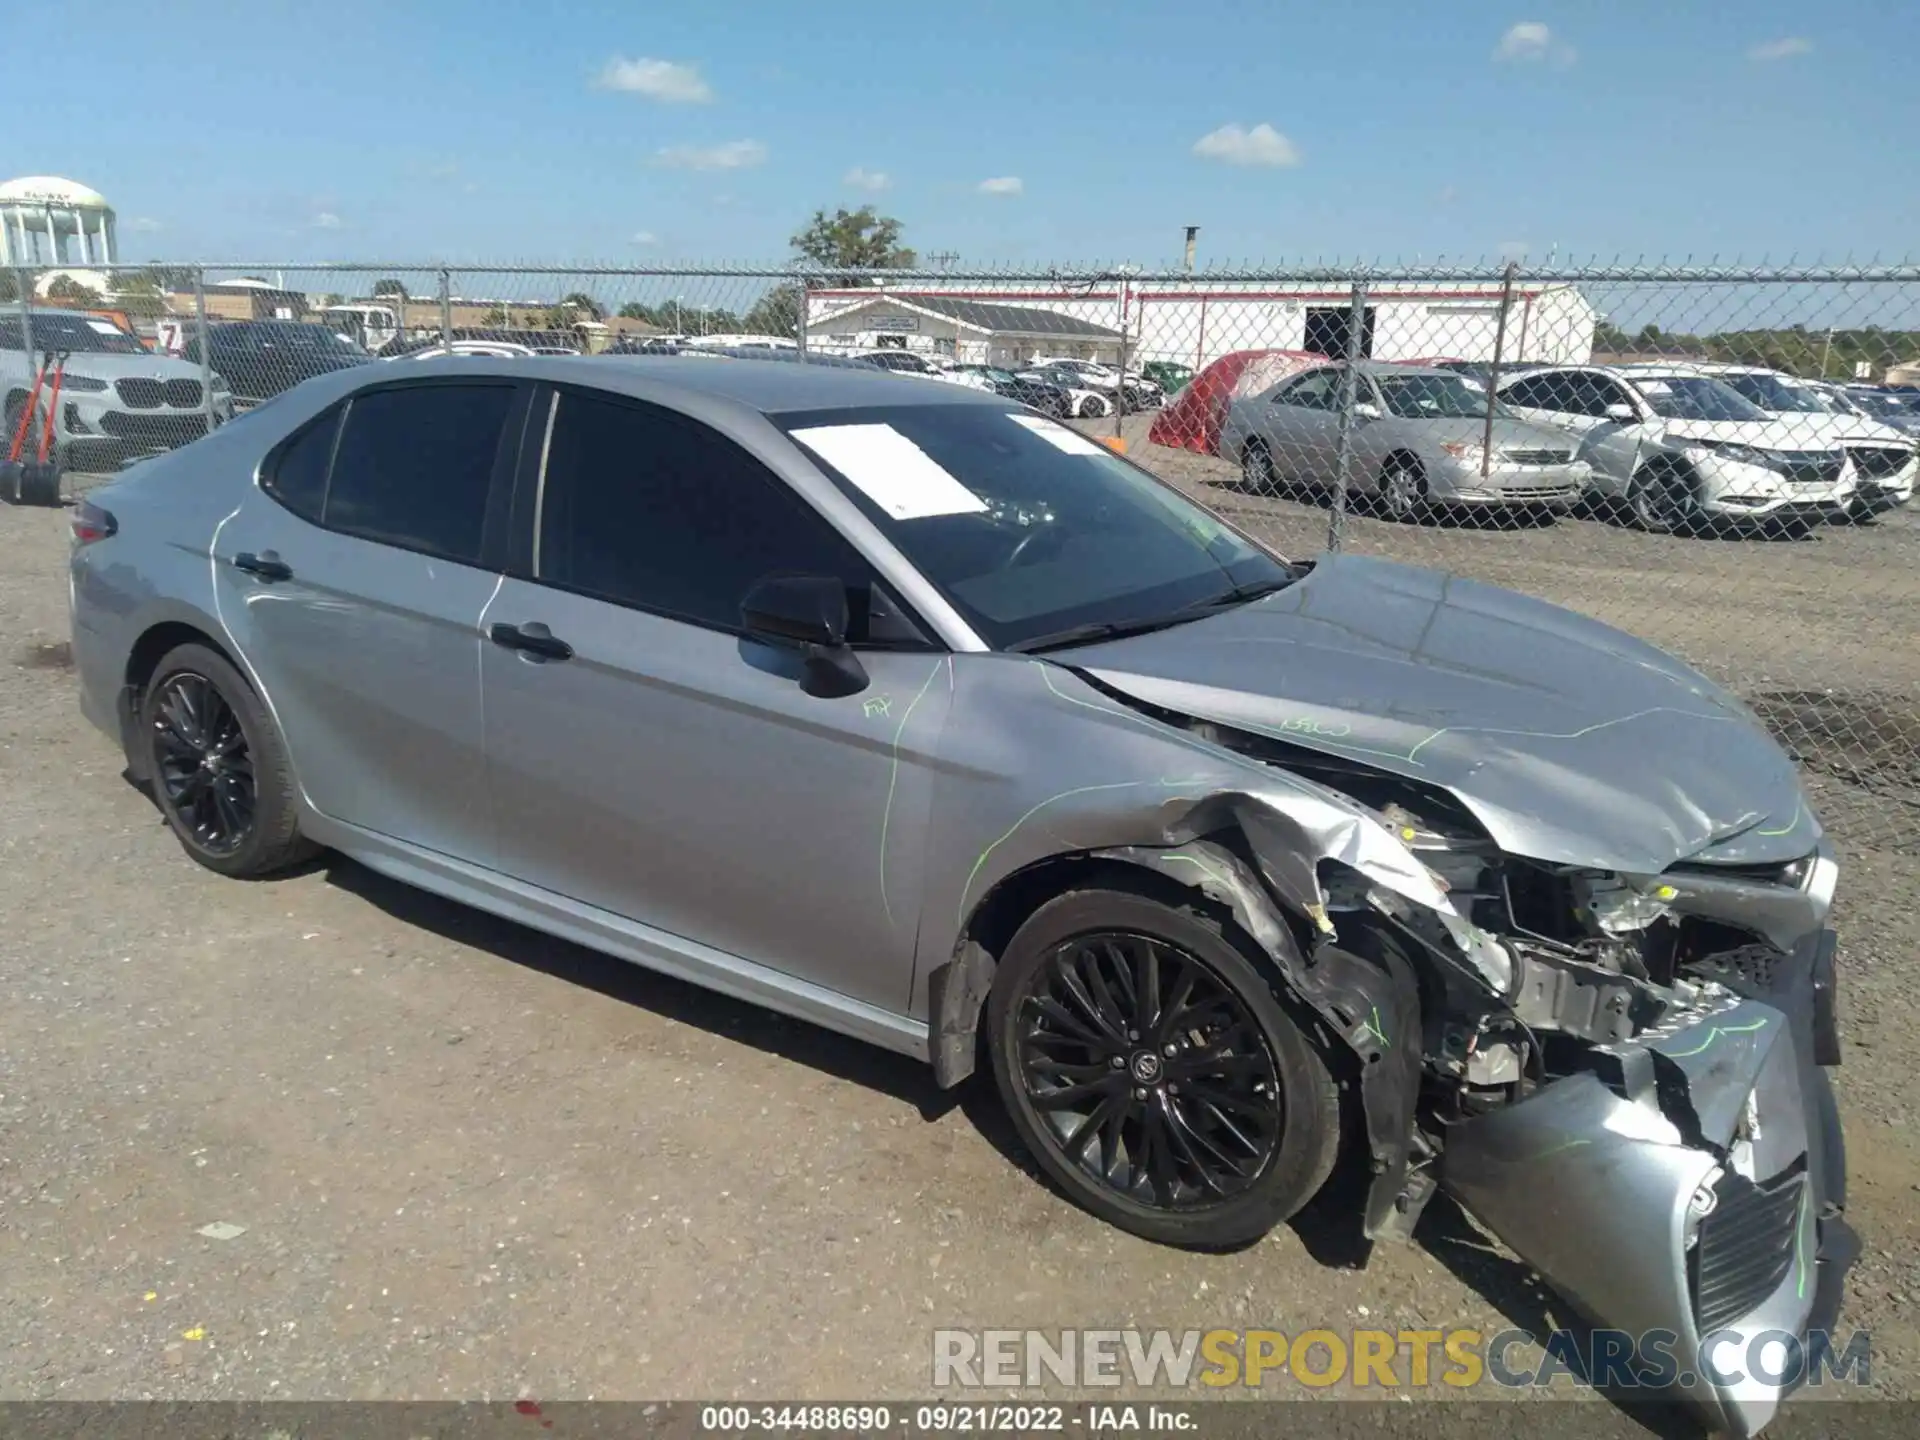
144 225
861 178
645 237
1784 48
326 220
1530 41
732 155
661 80
1237 145
1001 185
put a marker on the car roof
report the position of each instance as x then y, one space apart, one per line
768 386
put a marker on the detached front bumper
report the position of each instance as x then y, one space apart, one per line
1689 1190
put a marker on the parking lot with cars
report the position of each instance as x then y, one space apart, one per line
463 1158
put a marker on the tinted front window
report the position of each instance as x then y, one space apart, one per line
1026 526
1695 397
647 508
414 466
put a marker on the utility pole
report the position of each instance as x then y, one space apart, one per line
1193 235
1826 353
941 259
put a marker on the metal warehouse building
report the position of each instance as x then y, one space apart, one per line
1195 322
971 329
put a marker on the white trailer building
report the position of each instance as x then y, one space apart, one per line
1195 322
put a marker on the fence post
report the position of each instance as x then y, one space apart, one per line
206 345
446 310
1493 371
800 321
1120 390
1349 387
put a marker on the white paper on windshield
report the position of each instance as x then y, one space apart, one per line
901 478
105 327
1061 437
1655 387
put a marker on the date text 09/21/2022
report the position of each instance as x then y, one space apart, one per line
945 1419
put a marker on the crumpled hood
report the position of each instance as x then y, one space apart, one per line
1571 742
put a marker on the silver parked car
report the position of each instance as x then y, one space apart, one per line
1418 439
117 398
905 710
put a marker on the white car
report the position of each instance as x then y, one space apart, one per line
1142 393
1082 403
492 349
910 362
1685 452
1884 460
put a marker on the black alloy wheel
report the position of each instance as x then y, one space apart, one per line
203 762
218 766
1152 1073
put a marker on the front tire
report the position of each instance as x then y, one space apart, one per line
1256 469
219 768
1403 490
1153 1073
1661 501
1091 408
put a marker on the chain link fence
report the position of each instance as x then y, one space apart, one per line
1719 460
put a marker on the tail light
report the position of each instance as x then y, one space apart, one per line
91 522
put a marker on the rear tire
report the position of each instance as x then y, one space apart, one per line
1153 1073
219 767
1090 408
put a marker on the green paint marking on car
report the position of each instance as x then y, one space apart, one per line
893 776
1717 1032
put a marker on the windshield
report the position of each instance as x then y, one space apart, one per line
1771 392
1695 397
71 332
1442 395
1882 405
1027 527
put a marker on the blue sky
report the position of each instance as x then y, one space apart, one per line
711 130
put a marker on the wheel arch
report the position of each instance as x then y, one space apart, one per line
1406 455
143 658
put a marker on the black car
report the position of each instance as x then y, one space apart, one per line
1042 395
261 358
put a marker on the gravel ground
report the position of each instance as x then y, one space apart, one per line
466 1160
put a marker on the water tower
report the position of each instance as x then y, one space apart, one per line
39 212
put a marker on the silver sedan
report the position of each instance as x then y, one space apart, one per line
904 710
1418 438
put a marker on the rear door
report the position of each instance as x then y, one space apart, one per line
648 758
352 583
1301 423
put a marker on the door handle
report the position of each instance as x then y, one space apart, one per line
533 639
268 566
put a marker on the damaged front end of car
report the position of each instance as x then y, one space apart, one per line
1621 1075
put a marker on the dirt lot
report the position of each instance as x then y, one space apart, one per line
474 1162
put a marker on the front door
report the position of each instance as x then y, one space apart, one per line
647 758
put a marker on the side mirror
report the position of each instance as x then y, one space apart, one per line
1622 413
809 611
1365 410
